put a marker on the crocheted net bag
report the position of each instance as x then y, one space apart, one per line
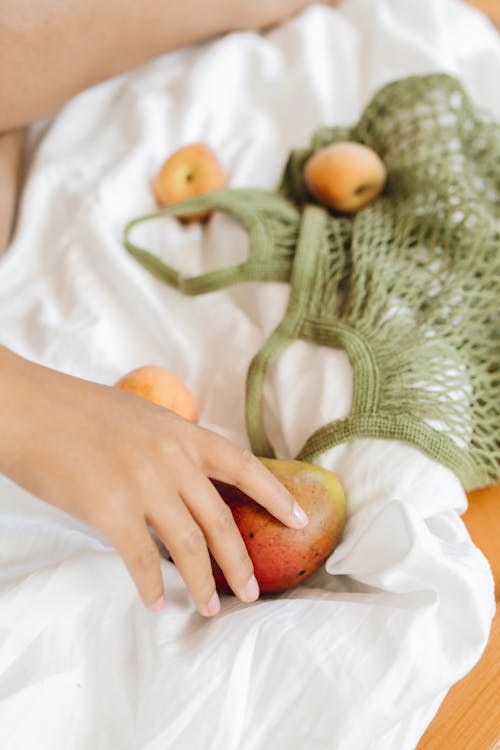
413 294
409 286
271 221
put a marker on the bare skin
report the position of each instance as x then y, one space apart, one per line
122 464
11 145
105 456
52 49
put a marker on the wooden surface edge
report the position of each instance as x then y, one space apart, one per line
469 717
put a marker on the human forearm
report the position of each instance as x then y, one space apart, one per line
12 376
50 50
10 159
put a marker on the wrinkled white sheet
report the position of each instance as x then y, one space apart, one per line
358 658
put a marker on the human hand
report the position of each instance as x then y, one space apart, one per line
122 464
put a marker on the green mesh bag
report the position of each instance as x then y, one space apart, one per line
271 221
409 286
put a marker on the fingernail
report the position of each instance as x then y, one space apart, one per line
300 516
213 605
158 605
251 591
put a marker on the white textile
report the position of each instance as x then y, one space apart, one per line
360 656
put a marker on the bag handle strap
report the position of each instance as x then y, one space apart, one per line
255 209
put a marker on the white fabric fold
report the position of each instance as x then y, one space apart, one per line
360 656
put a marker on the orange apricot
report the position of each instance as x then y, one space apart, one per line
345 176
162 387
191 170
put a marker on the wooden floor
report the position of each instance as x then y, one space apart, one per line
469 718
490 7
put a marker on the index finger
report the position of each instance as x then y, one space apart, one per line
238 466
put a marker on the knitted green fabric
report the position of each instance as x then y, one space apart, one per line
409 286
271 221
